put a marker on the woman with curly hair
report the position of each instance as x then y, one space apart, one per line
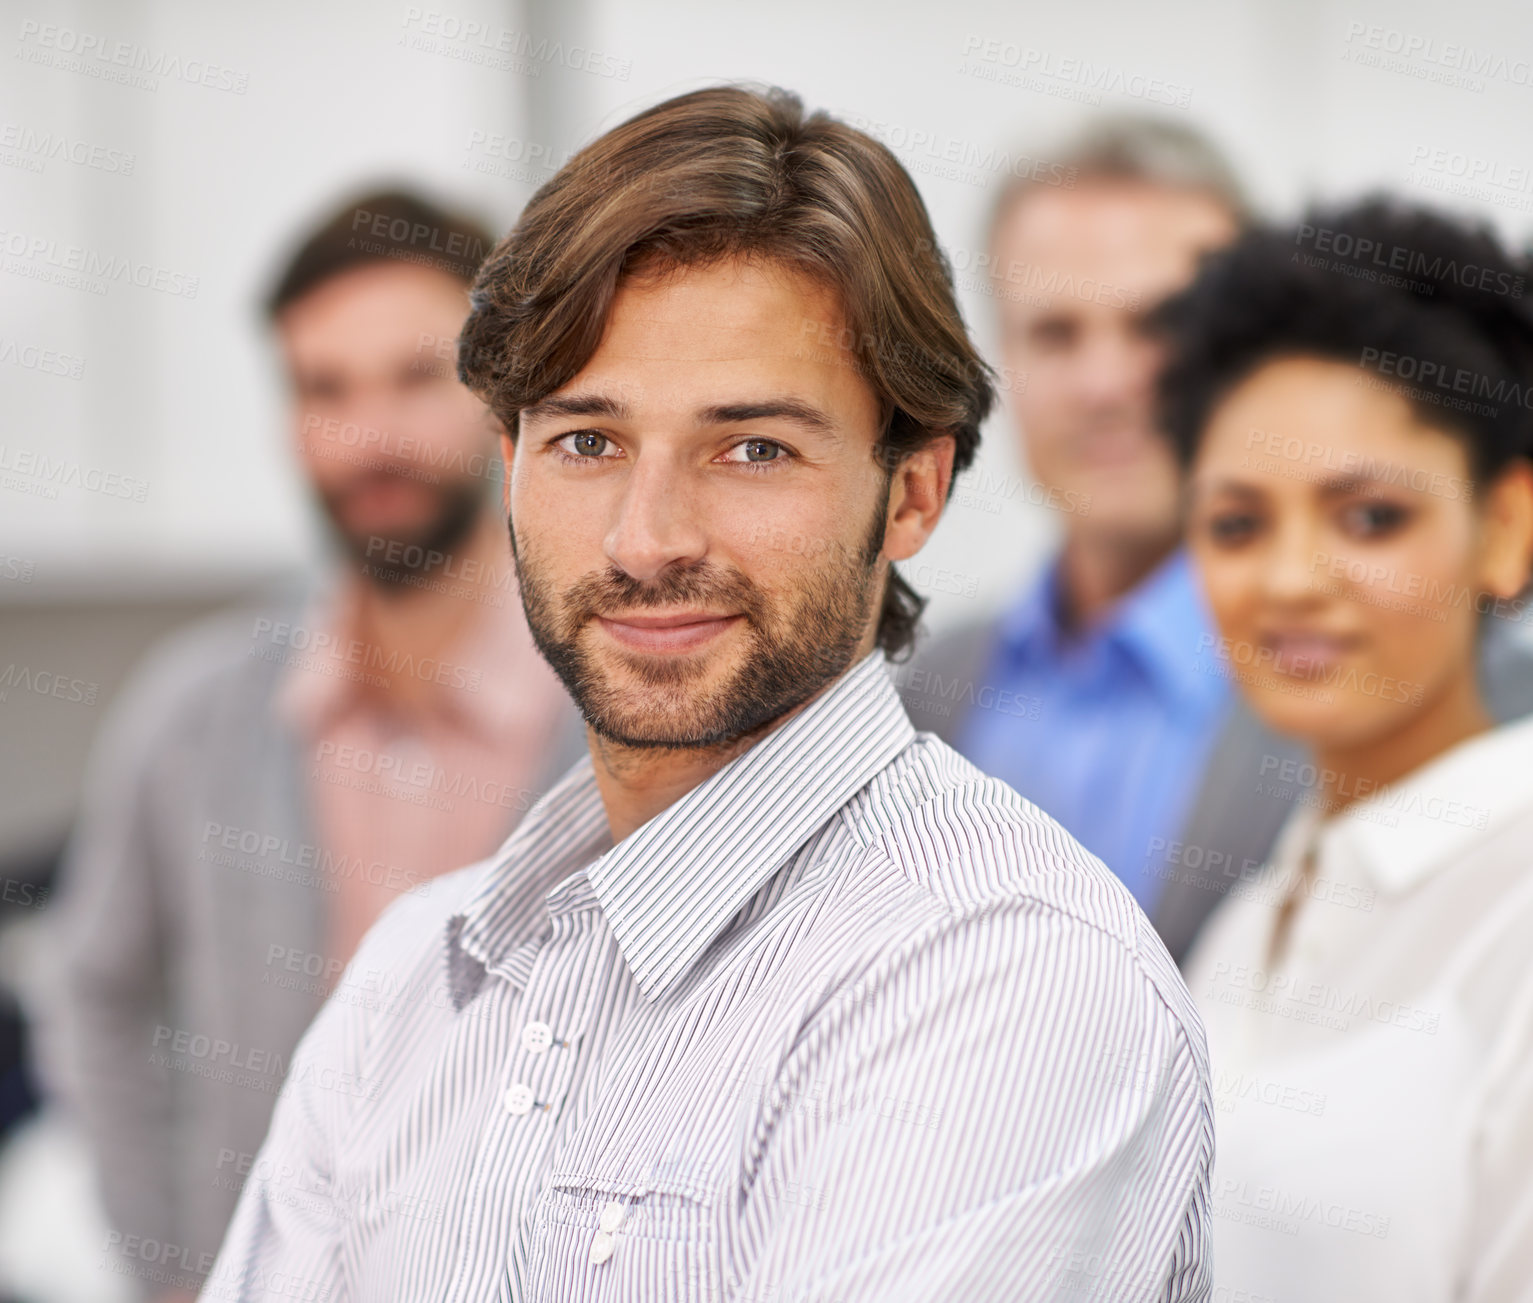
1354 401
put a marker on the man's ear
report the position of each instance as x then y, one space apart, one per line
508 457
917 494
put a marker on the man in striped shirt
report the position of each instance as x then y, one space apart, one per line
773 998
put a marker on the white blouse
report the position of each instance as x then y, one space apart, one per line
1373 1085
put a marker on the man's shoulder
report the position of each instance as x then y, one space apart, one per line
984 856
198 682
208 659
973 843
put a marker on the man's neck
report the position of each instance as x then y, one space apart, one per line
1096 571
637 783
425 619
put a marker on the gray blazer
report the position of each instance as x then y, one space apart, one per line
190 930
1241 801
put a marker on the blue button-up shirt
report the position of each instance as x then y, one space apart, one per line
1120 719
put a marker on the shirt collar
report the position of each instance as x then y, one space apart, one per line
500 664
669 888
561 834
307 699
1161 623
1031 627
1164 620
489 667
1403 833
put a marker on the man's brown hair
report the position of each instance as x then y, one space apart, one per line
383 226
724 173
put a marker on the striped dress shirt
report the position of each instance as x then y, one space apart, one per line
849 1021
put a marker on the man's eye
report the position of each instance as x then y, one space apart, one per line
756 450
590 444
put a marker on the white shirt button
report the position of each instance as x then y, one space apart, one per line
537 1037
612 1217
518 1100
602 1247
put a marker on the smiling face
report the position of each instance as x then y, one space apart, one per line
700 525
1344 552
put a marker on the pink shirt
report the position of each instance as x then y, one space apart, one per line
402 791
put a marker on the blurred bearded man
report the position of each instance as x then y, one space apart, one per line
273 780
771 996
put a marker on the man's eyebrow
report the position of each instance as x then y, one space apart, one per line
792 410
576 405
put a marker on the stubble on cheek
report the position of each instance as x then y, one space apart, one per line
792 640
786 646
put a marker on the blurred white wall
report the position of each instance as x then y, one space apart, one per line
155 159
1306 95
173 392
205 139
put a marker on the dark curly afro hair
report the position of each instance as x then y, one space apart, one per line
1434 305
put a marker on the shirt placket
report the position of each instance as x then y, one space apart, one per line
546 1046
550 1042
554 1051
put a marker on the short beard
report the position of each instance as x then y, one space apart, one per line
394 562
793 654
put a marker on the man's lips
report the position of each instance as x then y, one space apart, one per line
677 631
388 495
1108 456
1114 447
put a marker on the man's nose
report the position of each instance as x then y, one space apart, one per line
376 412
1113 368
658 522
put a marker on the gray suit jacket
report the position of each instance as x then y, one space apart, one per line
1241 800
191 929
